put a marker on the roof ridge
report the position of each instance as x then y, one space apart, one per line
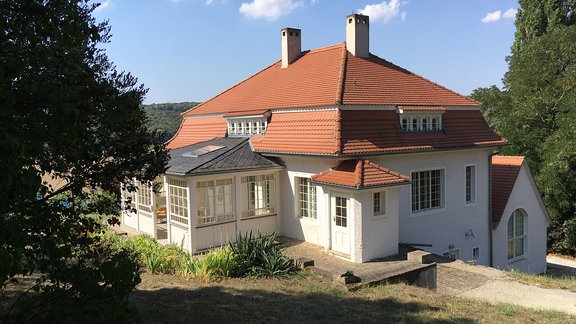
223 152
325 48
359 173
342 75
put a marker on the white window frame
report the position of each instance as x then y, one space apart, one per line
178 200
516 238
421 122
215 201
379 204
306 202
470 184
258 196
144 197
419 205
247 126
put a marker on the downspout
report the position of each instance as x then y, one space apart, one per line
490 221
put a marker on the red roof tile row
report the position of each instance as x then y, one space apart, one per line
194 130
312 132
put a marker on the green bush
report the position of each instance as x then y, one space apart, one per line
260 256
100 278
249 256
216 264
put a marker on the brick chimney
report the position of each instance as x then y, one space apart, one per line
291 45
358 35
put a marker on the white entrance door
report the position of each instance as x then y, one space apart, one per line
340 224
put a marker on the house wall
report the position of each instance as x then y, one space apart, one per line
196 237
379 236
524 195
444 228
141 221
370 237
130 219
310 230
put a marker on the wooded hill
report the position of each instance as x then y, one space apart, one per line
165 117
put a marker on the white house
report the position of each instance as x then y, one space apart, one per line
343 149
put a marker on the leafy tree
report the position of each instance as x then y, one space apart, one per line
537 108
542 84
538 17
66 114
166 117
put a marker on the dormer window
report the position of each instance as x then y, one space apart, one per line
420 119
243 126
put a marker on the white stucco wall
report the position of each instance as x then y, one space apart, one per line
444 228
379 234
369 237
130 219
525 196
310 230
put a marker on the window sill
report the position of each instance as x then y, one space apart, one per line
308 219
517 259
429 211
377 217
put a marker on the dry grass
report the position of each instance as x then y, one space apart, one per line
308 298
557 280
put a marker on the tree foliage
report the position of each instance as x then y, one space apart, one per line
166 117
536 111
539 17
67 116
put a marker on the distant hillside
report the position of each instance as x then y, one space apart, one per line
166 116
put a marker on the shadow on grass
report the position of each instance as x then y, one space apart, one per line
216 304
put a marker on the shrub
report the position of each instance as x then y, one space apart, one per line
97 283
216 264
260 256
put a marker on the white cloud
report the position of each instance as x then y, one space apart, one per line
269 9
492 17
209 2
510 13
103 5
384 11
497 15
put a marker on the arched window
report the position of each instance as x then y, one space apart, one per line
517 234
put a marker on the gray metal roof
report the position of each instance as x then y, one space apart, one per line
218 155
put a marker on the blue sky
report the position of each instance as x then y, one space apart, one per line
191 50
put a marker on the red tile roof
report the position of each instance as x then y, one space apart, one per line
505 170
357 132
422 108
331 76
311 132
375 81
194 130
360 174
